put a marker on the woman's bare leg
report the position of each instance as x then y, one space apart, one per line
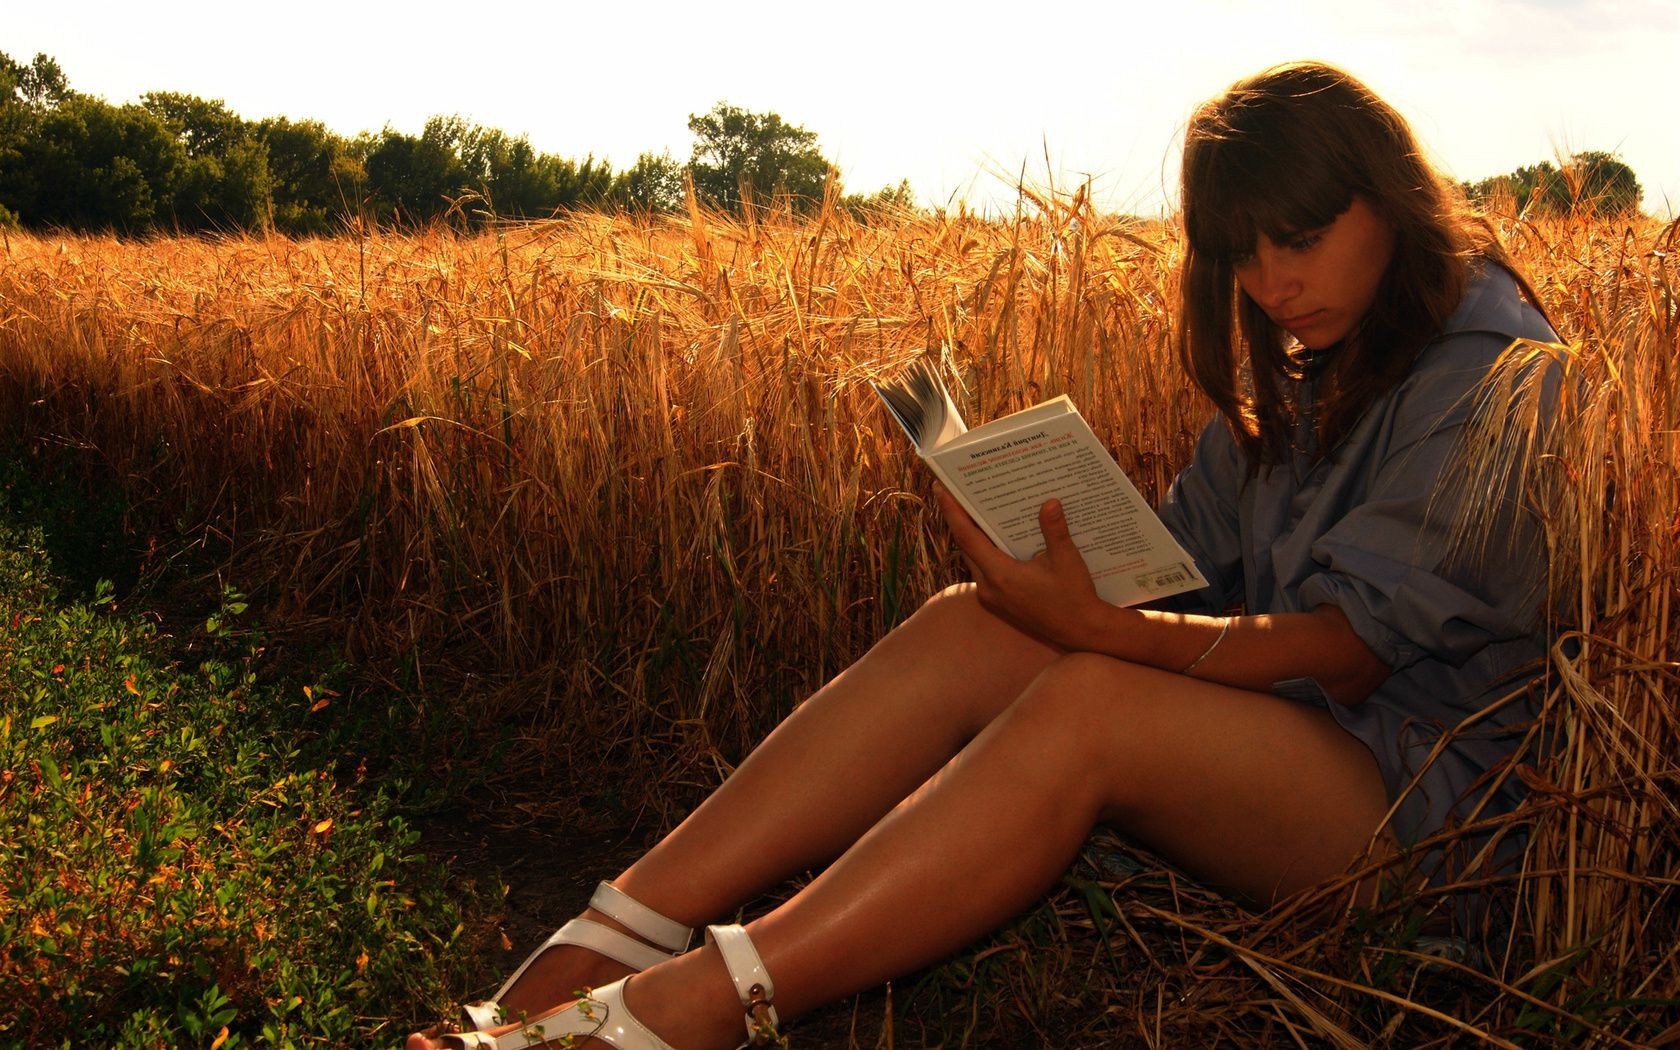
832 769
1258 794
1263 795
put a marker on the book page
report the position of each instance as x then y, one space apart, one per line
922 405
1005 475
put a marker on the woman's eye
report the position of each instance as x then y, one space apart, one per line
1241 259
1306 241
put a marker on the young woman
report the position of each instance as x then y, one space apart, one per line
1339 309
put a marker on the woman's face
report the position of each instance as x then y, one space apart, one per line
1318 284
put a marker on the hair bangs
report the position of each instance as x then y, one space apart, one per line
1241 191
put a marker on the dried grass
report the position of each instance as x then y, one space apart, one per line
628 472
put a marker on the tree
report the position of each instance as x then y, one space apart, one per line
412 179
1592 182
1603 183
758 154
652 184
885 201
205 127
188 163
39 85
312 176
519 182
26 92
225 182
509 172
582 183
99 166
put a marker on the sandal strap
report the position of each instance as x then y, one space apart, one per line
600 1015
752 981
602 940
476 1017
640 919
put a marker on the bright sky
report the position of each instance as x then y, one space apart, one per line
959 98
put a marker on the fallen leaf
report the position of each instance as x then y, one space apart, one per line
324 826
221 1038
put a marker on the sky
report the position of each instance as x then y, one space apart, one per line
963 99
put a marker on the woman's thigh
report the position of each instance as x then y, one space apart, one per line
1259 794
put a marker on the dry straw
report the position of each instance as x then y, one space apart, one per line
628 471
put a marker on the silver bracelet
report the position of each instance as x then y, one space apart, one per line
1197 662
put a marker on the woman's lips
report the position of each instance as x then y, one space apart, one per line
1300 320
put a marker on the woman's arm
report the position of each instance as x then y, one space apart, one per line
1052 597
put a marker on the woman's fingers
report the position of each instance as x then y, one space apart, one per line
977 548
1052 523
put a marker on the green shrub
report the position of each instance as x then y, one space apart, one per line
179 863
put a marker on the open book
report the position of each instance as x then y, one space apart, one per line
1004 471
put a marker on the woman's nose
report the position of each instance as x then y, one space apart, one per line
1276 282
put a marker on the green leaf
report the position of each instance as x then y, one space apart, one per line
42 720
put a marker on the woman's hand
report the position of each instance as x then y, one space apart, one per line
1050 597
1053 599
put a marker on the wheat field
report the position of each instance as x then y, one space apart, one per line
621 481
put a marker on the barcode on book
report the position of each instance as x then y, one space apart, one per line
1163 578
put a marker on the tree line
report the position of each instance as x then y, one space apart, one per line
1591 182
177 162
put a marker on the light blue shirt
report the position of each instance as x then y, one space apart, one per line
1366 529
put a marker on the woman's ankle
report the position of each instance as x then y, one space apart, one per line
690 1002
559 975
564 971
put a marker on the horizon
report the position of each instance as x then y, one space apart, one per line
1544 79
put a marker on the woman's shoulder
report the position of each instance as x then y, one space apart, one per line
1492 315
1444 381
1493 305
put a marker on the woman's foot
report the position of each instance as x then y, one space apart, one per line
562 971
562 1026
692 1002
558 974
602 1019
614 937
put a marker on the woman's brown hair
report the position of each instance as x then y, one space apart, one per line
1282 153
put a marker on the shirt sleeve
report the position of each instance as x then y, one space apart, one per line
1200 510
1398 563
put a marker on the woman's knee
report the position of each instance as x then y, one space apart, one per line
1083 699
959 599
955 615
1091 681
1114 721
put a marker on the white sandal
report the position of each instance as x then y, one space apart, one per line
602 1015
668 938
752 984
599 1015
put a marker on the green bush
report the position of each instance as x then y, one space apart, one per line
180 863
